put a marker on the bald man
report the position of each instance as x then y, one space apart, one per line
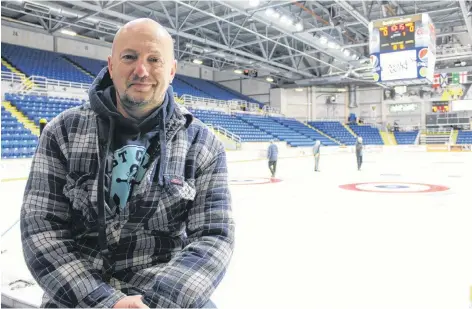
127 203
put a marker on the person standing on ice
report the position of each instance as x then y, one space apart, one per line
316 153
359 152
272 155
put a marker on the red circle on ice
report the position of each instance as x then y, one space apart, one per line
393 187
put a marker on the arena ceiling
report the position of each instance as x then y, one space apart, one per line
308 43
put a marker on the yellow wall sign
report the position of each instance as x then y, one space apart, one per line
452 93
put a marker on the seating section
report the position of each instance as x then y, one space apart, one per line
91 65
4 68
37 107
276 129
336 130
370 135
43 63
464 137
405 138
214 90
17 141
299 127
181 88
244 130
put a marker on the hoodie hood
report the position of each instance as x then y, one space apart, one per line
102 95
103 101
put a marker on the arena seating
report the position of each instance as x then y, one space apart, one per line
370 135
37 107
405 138
91 65
299 127
181 87
464 137
213 90
4 68
276 129
43 63
17 141
336 130
244 130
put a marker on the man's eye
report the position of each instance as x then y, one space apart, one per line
155 60
128 57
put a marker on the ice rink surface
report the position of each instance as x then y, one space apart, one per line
306 242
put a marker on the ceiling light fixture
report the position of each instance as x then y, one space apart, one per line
69 32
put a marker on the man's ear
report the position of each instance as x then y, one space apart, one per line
110 67
173 70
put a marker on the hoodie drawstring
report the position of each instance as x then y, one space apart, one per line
102 236
163 145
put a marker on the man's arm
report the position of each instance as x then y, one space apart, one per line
190 278
49 249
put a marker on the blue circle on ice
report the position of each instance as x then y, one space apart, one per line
392 186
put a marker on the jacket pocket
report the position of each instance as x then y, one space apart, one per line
166 209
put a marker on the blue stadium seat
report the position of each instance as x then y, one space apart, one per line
244 130
336 130
299 127
370 135
274 128
464 137
406 137
43 63
17 141
91 65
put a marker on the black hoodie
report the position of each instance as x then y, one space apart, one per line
128 142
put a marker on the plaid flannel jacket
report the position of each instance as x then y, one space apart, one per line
171 243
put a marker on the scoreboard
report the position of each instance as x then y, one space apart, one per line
440 107
397 37
403 49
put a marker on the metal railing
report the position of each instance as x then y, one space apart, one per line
16 80
226 133
12 77
39 83
450 137
44 83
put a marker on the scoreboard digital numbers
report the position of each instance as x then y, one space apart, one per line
403 49
397 37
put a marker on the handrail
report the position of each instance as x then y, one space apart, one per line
417 139
450 137
43 82
228 134
16 79
11 76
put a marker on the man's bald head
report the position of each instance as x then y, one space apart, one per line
142 66
138 25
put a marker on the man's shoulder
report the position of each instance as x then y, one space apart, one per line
71 118
200 135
